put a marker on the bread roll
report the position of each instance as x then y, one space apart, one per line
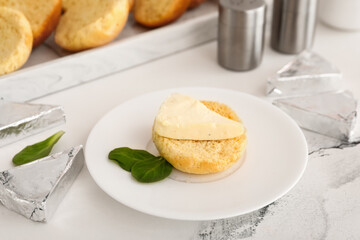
43 15
203 156
156 13
16 40
90 23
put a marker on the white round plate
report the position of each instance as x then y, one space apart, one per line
276 158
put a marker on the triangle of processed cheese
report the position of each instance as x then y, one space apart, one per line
183 117
332 114
35 189
20 120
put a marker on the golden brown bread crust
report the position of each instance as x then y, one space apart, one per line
195 3
49 25
203 156
43 15
17 39
156 13
131 5
90 23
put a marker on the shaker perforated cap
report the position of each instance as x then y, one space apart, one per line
242 13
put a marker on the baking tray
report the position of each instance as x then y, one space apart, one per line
51 69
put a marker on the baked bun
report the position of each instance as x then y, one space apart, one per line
90 23
156 13
43 15
16 40
195 3
203 156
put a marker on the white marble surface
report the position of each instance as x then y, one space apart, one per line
325 204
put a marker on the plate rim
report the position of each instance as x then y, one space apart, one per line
185 216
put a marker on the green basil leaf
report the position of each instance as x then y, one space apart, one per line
151 170
37 150
127 157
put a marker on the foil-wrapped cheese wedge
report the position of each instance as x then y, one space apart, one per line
332 114
307 74
19 120
34 190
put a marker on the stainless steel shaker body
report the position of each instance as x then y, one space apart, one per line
293 25
241 33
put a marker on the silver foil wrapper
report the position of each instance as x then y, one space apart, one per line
307 74
331 114
34 190
19 120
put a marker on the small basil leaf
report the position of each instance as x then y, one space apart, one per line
127 157
37 150
151 170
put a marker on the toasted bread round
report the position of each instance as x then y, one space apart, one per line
43 15
16 40
90 23
156 13
203 156
195 3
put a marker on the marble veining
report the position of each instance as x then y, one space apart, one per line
324 205
232 228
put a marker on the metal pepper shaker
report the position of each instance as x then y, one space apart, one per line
241 33
293 25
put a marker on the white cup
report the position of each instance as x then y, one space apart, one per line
341 14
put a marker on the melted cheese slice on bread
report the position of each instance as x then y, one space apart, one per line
183 117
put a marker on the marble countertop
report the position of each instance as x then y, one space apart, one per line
325 204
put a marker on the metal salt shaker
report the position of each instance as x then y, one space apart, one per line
293 25
241 33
